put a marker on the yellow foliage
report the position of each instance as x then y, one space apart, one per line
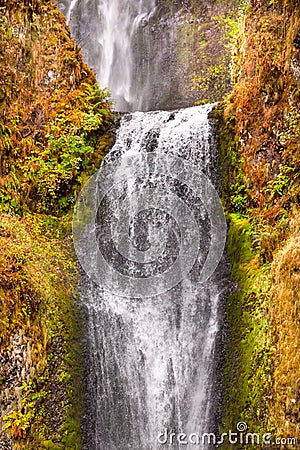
284 314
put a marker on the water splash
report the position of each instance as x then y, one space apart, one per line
115 32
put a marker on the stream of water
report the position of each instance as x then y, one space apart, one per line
132 46
151 246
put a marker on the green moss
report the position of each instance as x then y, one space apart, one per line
249 356
50 445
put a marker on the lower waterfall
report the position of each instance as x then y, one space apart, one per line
153 336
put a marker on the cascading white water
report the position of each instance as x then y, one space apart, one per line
114 36
152 358
120 24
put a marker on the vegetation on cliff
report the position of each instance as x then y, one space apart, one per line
54 129
204 48
260 156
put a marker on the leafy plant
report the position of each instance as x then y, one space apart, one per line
282 182
19 423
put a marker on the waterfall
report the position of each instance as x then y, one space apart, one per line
133 46
149 231
152 350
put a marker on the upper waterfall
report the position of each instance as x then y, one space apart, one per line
115 36
147 51
154 54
